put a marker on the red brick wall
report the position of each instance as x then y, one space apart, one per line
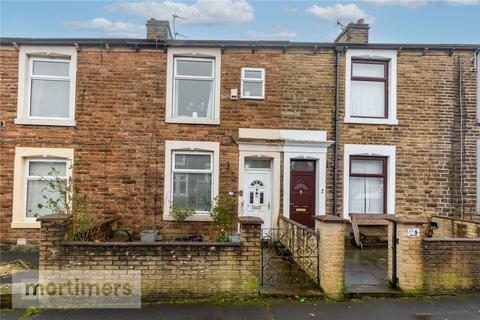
120 132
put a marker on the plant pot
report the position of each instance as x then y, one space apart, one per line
148 235
234 237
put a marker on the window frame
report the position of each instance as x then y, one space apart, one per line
243 79
22 155
372 55
192 53
385 81
187 147
29 54
27 178
384 176
202 171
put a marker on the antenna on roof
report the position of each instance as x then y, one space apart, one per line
340 24
175 33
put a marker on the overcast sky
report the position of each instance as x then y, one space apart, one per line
404 21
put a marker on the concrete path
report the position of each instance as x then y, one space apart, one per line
452 308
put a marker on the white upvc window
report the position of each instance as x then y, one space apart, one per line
369 179
191 177
38 173
192 174
33 169
371 86
46 89
478 87
193 86
253 83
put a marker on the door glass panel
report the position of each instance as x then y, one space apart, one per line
302 165
257 163
261 197
257 183
251 197
301 186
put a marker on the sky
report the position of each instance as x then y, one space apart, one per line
391 21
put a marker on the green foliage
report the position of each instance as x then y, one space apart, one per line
180 213
63 196
224 213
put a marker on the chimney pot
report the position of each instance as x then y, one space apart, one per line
361 21
158 29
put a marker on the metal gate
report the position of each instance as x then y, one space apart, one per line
290 256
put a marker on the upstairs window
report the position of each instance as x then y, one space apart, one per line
49 88
253 83
369 89
371 86
193 86
46 88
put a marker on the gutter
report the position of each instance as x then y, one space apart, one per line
336 127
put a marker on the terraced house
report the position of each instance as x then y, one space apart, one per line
290 129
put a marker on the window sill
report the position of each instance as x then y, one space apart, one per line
252 98
371 121
198 217
46 122
192 120
25 225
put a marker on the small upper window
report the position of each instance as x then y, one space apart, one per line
253 83
369 89
46 87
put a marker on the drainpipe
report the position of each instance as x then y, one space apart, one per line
336 129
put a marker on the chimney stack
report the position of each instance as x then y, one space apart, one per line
158 30
354 33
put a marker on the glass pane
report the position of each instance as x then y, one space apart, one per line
366 195
36 190
302 165
368 70
253 74
196 68
368 99
50 98
252 89
194 98
44 168
257 163
301 186
193 161
367 166
198 190
51 68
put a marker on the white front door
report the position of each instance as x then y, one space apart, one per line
258 194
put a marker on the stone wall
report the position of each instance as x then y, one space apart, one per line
169 269
432 265
449 227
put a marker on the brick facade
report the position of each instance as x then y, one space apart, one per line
119 138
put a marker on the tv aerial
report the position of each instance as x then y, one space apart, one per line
175 33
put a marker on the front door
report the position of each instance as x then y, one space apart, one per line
257 193
302 192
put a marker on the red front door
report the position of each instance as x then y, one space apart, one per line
302 192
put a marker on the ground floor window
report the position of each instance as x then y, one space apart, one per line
369 179
34 168
192 180
191 177
367 192
39 172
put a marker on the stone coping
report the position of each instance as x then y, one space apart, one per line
405 220
151 244
54 217
330 218
457 219
249 220
452 240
